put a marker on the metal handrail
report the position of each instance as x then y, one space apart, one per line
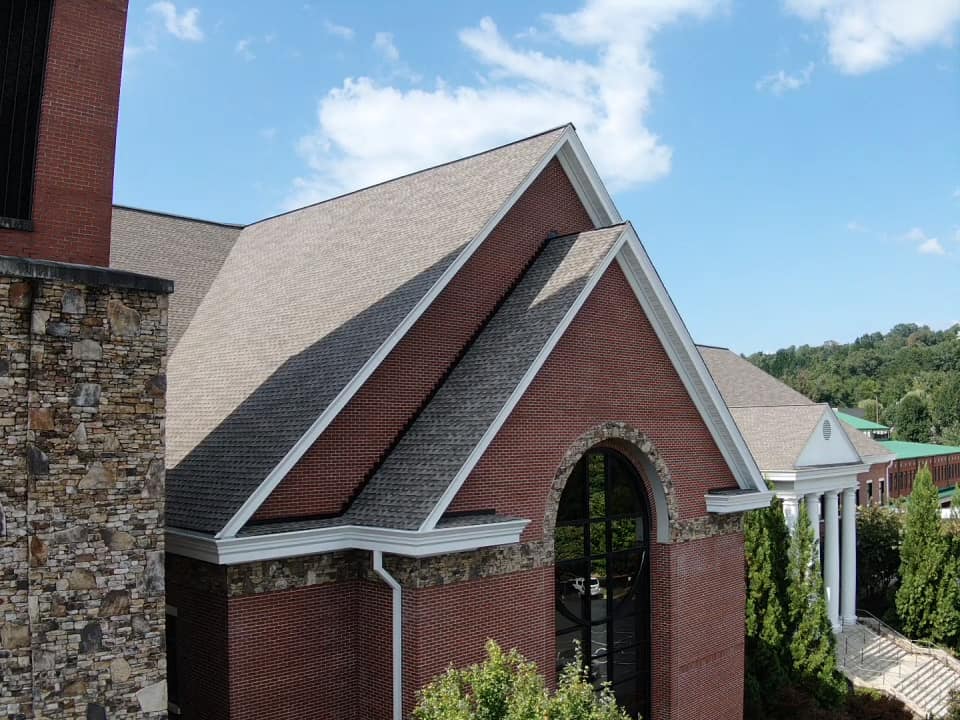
920 647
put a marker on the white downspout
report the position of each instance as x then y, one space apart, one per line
397 633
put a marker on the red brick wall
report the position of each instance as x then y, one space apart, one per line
945 469
317 652
608 366
197 590
329 473
878 474
73 186
449 624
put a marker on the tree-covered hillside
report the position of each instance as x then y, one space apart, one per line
908 377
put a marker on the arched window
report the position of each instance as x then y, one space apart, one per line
603 576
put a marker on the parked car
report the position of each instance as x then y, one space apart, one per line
579 585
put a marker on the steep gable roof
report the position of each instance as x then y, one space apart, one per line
190 252
306 306
743 384
411 481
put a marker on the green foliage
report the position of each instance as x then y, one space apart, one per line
882 368
921 557
765 542
911 419
505 686
812 647
878 556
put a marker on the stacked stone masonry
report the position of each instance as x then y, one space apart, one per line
82 392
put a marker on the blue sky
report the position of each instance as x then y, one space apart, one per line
792 167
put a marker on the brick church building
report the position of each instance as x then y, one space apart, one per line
456 405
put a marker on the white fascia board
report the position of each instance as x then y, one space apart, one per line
602 211
253 548
816 480
724 504
686 360
474 457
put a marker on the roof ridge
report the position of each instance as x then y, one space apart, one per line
131 208
412 173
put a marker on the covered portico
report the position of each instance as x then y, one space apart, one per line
830 497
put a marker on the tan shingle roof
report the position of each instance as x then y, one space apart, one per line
777 435
189 252
301 303
743 384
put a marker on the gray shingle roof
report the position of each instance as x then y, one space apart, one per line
189 252
865 446
743 384
777 435
301 303
412 479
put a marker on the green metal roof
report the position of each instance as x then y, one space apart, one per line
909 450
860 423
947 493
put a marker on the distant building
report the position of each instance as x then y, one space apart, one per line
943 460
873 430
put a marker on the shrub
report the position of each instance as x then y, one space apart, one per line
505 686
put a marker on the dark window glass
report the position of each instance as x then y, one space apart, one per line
24 25
603 576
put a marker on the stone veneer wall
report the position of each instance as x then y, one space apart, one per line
82 392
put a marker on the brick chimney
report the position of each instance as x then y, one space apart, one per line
59 93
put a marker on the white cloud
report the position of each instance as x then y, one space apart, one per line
856 227
341 31
383 43
242 48
931 246
864 35
782 81
368 131
183 26
925 245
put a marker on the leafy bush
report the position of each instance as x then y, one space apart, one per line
505 686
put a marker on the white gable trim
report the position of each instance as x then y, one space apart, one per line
683 355
819 450
686 360
600 207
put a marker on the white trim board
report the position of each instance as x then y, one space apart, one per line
683 355
412 543
602 211
821 450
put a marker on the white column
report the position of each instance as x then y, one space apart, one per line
848 577
831 557
791 510
813 511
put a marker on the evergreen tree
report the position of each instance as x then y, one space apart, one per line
812 646
921 558
765 542
946 623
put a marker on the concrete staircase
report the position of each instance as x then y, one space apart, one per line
874 655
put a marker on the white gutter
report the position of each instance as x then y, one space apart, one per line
397 633
412 543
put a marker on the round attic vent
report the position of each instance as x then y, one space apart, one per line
827 429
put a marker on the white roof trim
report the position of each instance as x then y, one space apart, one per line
818 451
680 348
686 360
234 550
474 457
602 211
723 503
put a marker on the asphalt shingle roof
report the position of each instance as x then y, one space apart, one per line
189 252
777 435
743 384
412 479
300 304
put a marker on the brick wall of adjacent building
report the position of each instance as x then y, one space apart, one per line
73 182
870 483
945 470
357 440
82 392
608 366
